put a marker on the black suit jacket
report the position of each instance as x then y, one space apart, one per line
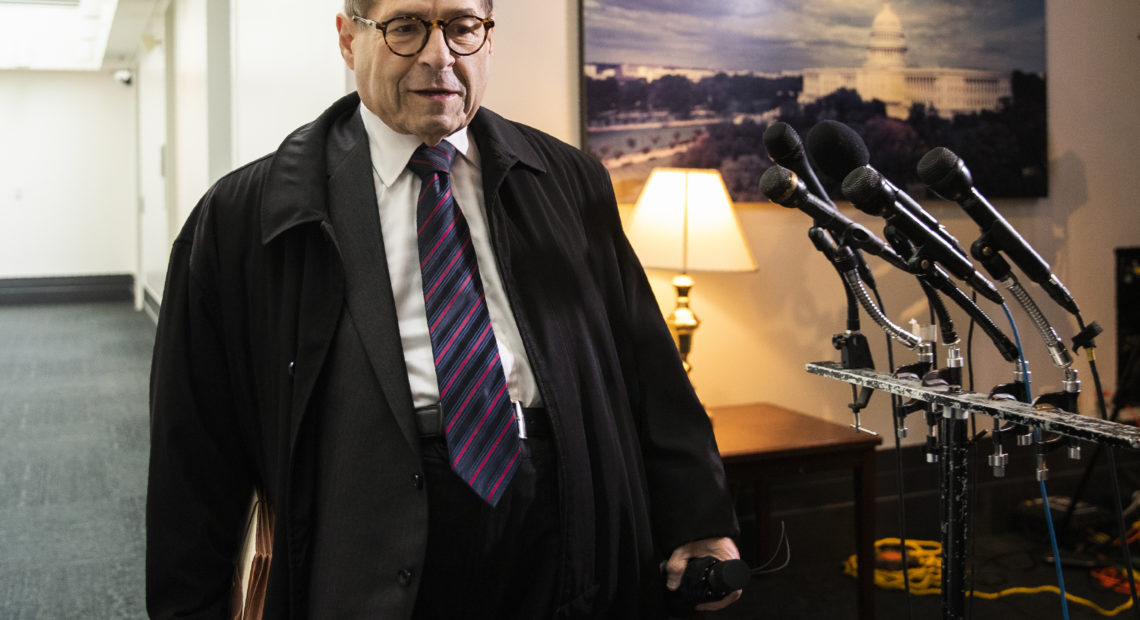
278 325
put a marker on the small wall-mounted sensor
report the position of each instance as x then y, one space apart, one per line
125 76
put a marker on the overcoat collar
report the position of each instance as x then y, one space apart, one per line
501 146
297 186
296 189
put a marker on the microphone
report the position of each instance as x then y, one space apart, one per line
784 188
707 579
785 148
838 150
870 193
947 175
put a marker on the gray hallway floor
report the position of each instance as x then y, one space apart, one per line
73 456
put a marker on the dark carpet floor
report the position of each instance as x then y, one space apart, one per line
73 454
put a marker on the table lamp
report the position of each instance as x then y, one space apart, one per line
683 221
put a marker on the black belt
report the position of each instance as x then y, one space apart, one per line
534 421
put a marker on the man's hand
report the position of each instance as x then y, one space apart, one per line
719 548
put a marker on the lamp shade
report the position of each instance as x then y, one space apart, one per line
684 220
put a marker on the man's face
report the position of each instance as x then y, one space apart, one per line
431 94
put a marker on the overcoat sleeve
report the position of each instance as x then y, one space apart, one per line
689 498
199 483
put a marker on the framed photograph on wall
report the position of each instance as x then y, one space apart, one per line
695 84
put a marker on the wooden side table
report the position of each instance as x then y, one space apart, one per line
759 442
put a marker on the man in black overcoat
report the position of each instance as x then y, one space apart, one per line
294 357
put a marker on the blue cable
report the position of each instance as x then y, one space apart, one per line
1056 553
1041 483
1020 351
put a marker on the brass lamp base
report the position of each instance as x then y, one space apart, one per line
682 321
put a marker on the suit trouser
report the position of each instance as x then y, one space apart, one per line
491 562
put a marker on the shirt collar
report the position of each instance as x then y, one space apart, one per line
391 150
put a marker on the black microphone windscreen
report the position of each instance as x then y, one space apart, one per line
782 142
863 186
936 164
836 149
946 174
776 182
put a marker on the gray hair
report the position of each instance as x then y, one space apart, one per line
362 7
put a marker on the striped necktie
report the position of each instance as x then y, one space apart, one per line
478 422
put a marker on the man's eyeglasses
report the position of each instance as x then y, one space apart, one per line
408 35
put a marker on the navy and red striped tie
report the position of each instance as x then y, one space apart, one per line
478 421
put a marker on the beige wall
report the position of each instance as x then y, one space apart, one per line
535 77
759 329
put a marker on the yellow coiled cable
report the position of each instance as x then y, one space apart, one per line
925 574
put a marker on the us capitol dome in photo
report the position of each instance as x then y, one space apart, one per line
885 76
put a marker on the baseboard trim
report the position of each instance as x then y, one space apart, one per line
151 304
67 289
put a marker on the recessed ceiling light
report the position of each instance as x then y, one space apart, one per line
81 28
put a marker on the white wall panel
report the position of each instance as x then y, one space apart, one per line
154 222
189 154
67 174
286 70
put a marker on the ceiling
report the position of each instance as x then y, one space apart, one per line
71 35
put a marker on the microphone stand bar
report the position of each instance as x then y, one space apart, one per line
1056 421
954 503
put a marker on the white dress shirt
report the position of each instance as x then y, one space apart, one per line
397 189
